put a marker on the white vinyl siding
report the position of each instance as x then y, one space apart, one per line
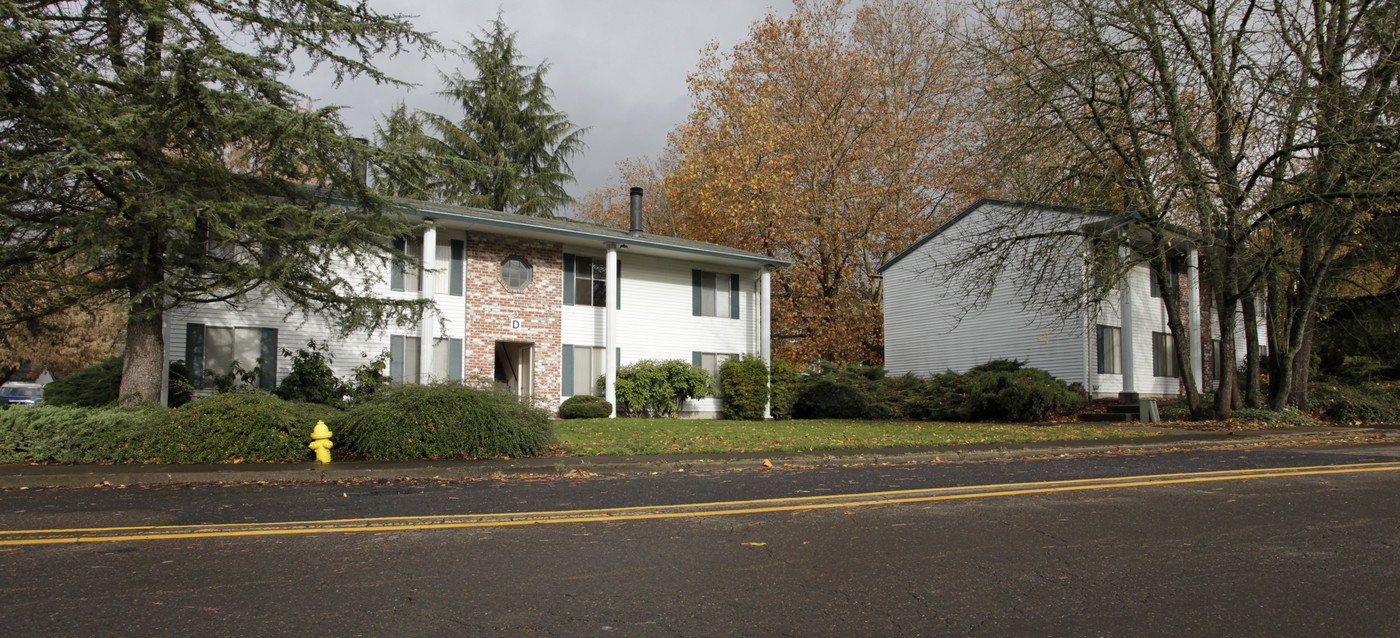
929 328
656 321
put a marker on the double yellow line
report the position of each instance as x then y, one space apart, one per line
412 523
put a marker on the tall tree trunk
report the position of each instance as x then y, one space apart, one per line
1252 352
1225 388
144 362
1302 367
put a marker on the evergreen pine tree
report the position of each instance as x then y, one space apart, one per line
146 158
509 151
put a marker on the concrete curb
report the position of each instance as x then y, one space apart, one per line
34 476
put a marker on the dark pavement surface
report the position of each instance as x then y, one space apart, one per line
1291 555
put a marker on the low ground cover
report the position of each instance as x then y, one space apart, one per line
597 437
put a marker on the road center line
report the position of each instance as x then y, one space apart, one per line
409 523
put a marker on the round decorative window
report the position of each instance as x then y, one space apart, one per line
516 273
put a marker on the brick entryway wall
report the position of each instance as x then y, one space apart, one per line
492 308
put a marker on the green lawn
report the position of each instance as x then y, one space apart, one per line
594 437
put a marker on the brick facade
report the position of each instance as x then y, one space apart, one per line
492 308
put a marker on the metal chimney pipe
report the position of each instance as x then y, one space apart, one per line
359 168
636 229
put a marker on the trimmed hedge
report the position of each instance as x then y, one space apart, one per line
235 427
745 388
996 390
786 385
656 388
585 406
93 386
443 421
1022 394
68 434
221 428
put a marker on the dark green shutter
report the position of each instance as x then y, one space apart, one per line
696 289
456 270
568 372
734 296
568 280
454 359
194 353
267 380
396 268
617 294
396 352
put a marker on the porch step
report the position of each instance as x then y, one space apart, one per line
1114 414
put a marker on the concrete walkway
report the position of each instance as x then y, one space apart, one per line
17 476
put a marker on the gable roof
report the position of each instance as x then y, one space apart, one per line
567 229
987 201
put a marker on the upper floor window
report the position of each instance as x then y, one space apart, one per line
450 260
714 294
399 276
586 281
1156 287
516 273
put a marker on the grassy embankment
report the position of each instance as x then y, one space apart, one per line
594 437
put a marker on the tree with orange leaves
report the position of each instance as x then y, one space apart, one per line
822 139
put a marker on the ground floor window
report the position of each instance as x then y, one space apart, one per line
405 355
582 367
710 362
1110 349
447 360
215 354
1164 355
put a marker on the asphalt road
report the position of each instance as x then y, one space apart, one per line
1279 541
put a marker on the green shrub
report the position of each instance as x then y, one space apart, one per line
68 434
181 391
830 397
745 387
90 387
585 406
311 379
855 391
997 365
657 388
944 397
892 397
443 421
239 426
786 385
1022 394
1288 416
1363 403
370 378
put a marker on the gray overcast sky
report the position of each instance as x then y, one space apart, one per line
617 66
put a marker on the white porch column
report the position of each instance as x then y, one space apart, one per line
1129 343
610 331
1193 310
425 327
765 328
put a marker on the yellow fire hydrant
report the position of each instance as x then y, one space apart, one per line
321 442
